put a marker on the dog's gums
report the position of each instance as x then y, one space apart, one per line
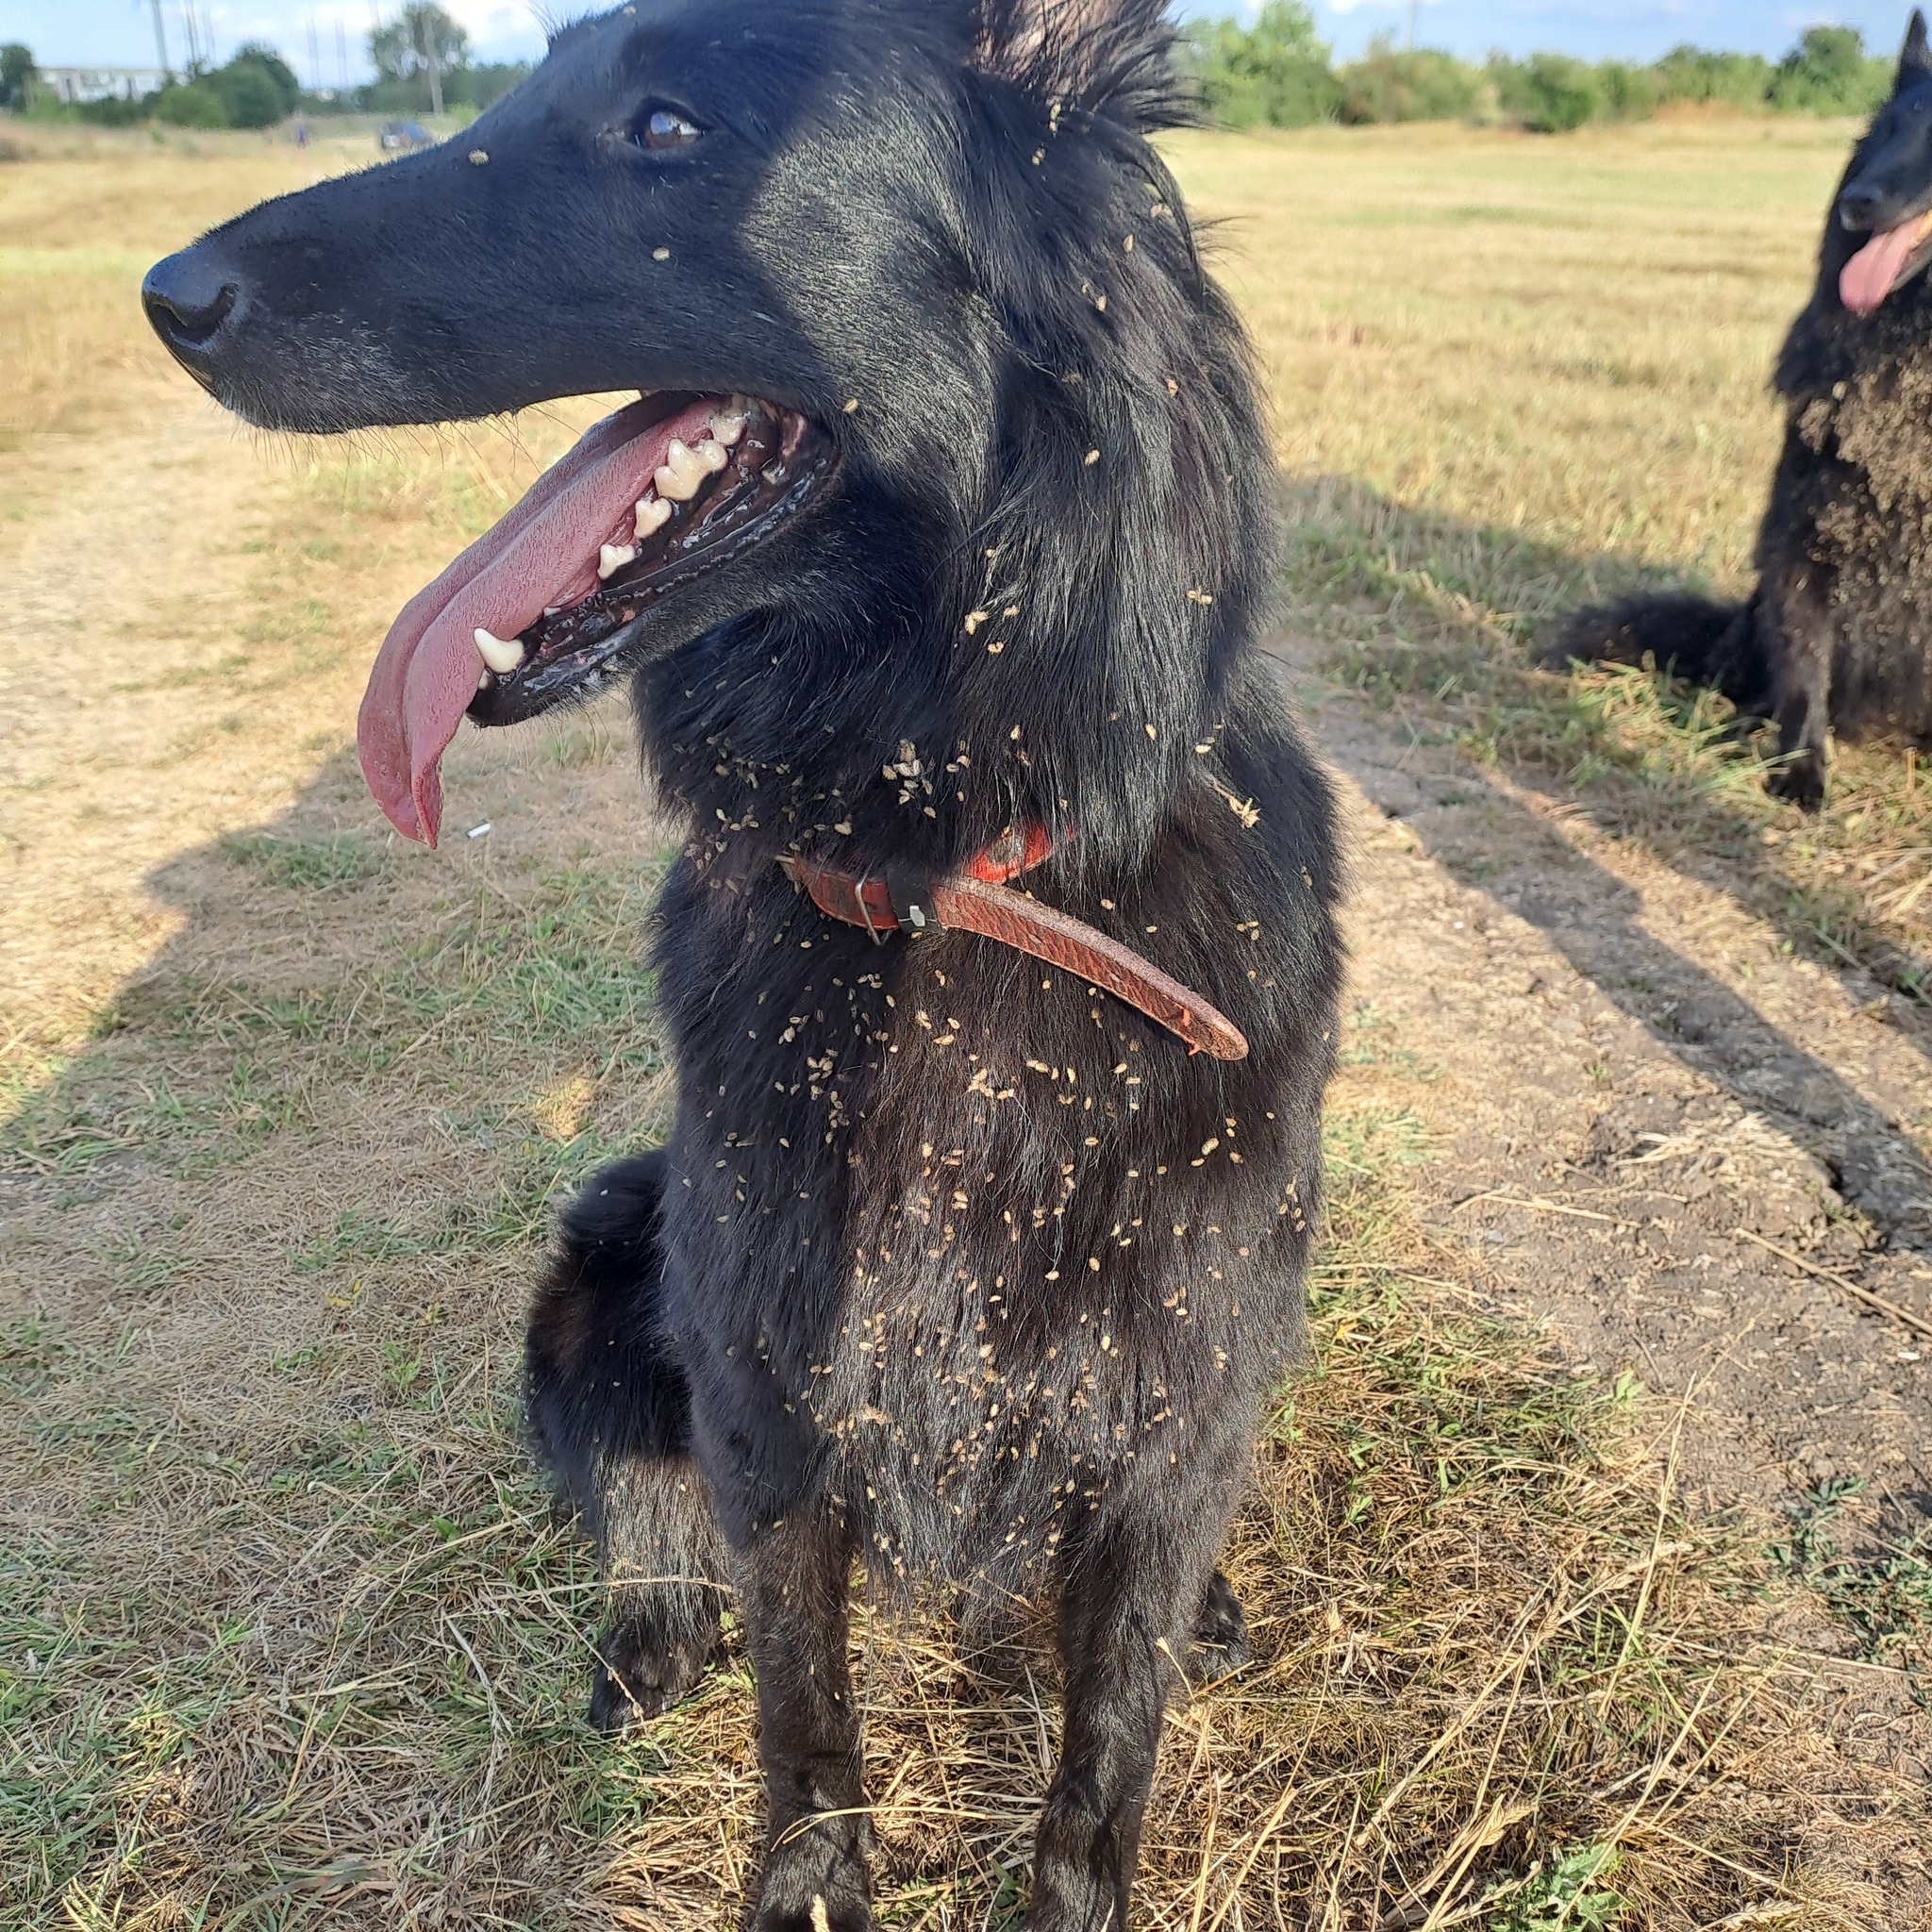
540 608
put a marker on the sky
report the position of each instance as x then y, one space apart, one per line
120 32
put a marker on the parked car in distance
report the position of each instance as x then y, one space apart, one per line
398 137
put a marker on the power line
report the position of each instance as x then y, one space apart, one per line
161 42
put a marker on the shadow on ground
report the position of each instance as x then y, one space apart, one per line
1436 620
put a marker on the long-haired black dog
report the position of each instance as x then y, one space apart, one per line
953 1266
1838 634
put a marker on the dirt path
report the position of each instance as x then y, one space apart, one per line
1662 1132
119 744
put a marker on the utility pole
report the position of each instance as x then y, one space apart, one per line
161 42
425 38
341 56
1412 4
314 58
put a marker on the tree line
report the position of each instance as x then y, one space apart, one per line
1275 72
1278 73
422 60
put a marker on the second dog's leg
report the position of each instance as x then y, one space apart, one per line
1794 620
795 1587
610 1408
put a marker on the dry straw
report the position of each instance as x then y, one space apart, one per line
288 1636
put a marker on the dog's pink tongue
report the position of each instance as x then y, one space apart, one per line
426 673
1866 280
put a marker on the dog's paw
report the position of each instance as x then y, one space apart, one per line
1220 1639
1801 782
817 1879
640 1671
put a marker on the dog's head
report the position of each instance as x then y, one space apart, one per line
1884 205
787 225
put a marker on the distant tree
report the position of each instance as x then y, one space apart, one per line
477 87
17 71
1550 94
1829 73
1272 74
193 104
422 49
1412 84
1693 73
281 77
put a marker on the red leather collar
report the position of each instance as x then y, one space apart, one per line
975 899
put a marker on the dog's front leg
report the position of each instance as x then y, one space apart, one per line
1127 1609
795 1584
1795 634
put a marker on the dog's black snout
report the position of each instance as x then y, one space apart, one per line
1859 207
188 297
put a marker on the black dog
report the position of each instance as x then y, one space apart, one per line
955 1265
1838 634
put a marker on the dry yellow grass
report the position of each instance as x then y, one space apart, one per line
286 1634
1508 379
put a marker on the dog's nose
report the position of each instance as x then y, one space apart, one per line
1858 208
188 297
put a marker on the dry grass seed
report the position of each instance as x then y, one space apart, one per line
285 1633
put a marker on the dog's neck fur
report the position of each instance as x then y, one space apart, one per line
1104 645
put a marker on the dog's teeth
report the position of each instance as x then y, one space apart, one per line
484 679
680 474
652 517
502 655
727 425
711 453
613 558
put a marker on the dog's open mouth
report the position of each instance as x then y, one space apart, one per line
542 607
1890 260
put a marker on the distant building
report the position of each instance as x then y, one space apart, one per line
75 84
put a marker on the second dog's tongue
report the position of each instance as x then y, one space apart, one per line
1867 279
427 671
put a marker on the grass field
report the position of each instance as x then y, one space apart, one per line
287 1635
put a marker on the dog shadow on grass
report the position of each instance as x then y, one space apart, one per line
1431 620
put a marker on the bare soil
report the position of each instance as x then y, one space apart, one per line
284 1620
1688 1151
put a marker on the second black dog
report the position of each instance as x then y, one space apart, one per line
1838 634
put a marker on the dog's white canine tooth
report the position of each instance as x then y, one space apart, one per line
502 655
652 516
613 558
485 679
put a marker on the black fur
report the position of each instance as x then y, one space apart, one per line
1838 634
952 1266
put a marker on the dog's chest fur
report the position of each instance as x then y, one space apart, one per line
1854 495
973 1233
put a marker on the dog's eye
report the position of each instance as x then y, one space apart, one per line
663 129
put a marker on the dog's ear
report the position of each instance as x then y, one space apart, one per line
1107 56
1915 60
